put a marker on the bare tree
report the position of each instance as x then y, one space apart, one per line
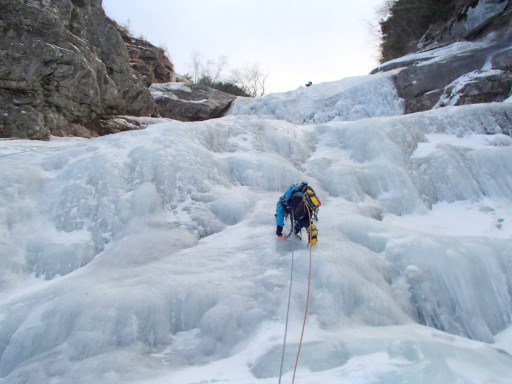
251 79
196 66
214 69
384 10
209 72
373 26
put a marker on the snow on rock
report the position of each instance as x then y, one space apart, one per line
477 17
431 56
454 91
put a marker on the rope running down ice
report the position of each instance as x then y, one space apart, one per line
307 300
289 300
288 307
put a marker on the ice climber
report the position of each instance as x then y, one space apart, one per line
301 203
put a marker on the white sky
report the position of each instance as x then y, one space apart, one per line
294 41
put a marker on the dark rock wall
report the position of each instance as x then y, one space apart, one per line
63 66
478 75
190 102
66 69
148 60
478 19
425 85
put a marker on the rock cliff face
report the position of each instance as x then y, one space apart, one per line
190 102
63 67
66 69
479 70
148 60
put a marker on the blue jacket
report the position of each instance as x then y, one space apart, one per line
284 204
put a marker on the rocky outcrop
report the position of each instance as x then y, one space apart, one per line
477 19
150 61
121 123
467 60
190 102
478 73
64 67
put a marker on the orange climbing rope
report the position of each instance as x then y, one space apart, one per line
307 301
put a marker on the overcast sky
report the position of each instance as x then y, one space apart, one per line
293 41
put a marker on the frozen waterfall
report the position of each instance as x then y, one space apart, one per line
150 256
